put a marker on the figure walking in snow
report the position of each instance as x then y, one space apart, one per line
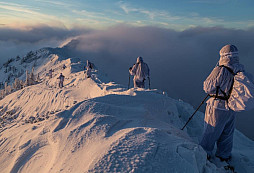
140 71
219 118
88 68
64 66
50 73
61 80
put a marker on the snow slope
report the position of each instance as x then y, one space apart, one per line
95 125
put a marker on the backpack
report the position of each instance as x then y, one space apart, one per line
142 71
241 96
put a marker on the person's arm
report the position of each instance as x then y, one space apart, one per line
133 69
212 82
130 69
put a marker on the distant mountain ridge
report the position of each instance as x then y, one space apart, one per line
16 67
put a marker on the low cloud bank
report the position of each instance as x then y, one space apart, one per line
15 42
179 61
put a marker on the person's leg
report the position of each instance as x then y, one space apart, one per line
142 84
135 83
225 142
139 84
212 130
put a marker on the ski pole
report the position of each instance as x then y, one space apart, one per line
149 83
195 111
129 81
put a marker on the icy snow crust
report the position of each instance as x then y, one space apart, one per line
94 125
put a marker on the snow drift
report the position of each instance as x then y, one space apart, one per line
96 125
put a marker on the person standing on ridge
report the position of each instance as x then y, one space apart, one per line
219 118
50 73
140 71
64 66
61 80
88 68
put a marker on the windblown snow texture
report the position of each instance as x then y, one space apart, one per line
96 125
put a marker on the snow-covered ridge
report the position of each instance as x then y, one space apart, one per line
95 125
49 98
16 67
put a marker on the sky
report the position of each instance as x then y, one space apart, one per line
180 40
172 14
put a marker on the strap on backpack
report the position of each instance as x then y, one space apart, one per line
225 96
231 88
229 69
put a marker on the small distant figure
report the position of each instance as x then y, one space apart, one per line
50 73
61 80
38 78
64 66
88 68
141 71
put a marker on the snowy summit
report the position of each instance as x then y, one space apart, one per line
95 125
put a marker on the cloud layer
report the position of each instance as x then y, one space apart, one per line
15 42
185 57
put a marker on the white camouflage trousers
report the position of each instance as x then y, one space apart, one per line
219 128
